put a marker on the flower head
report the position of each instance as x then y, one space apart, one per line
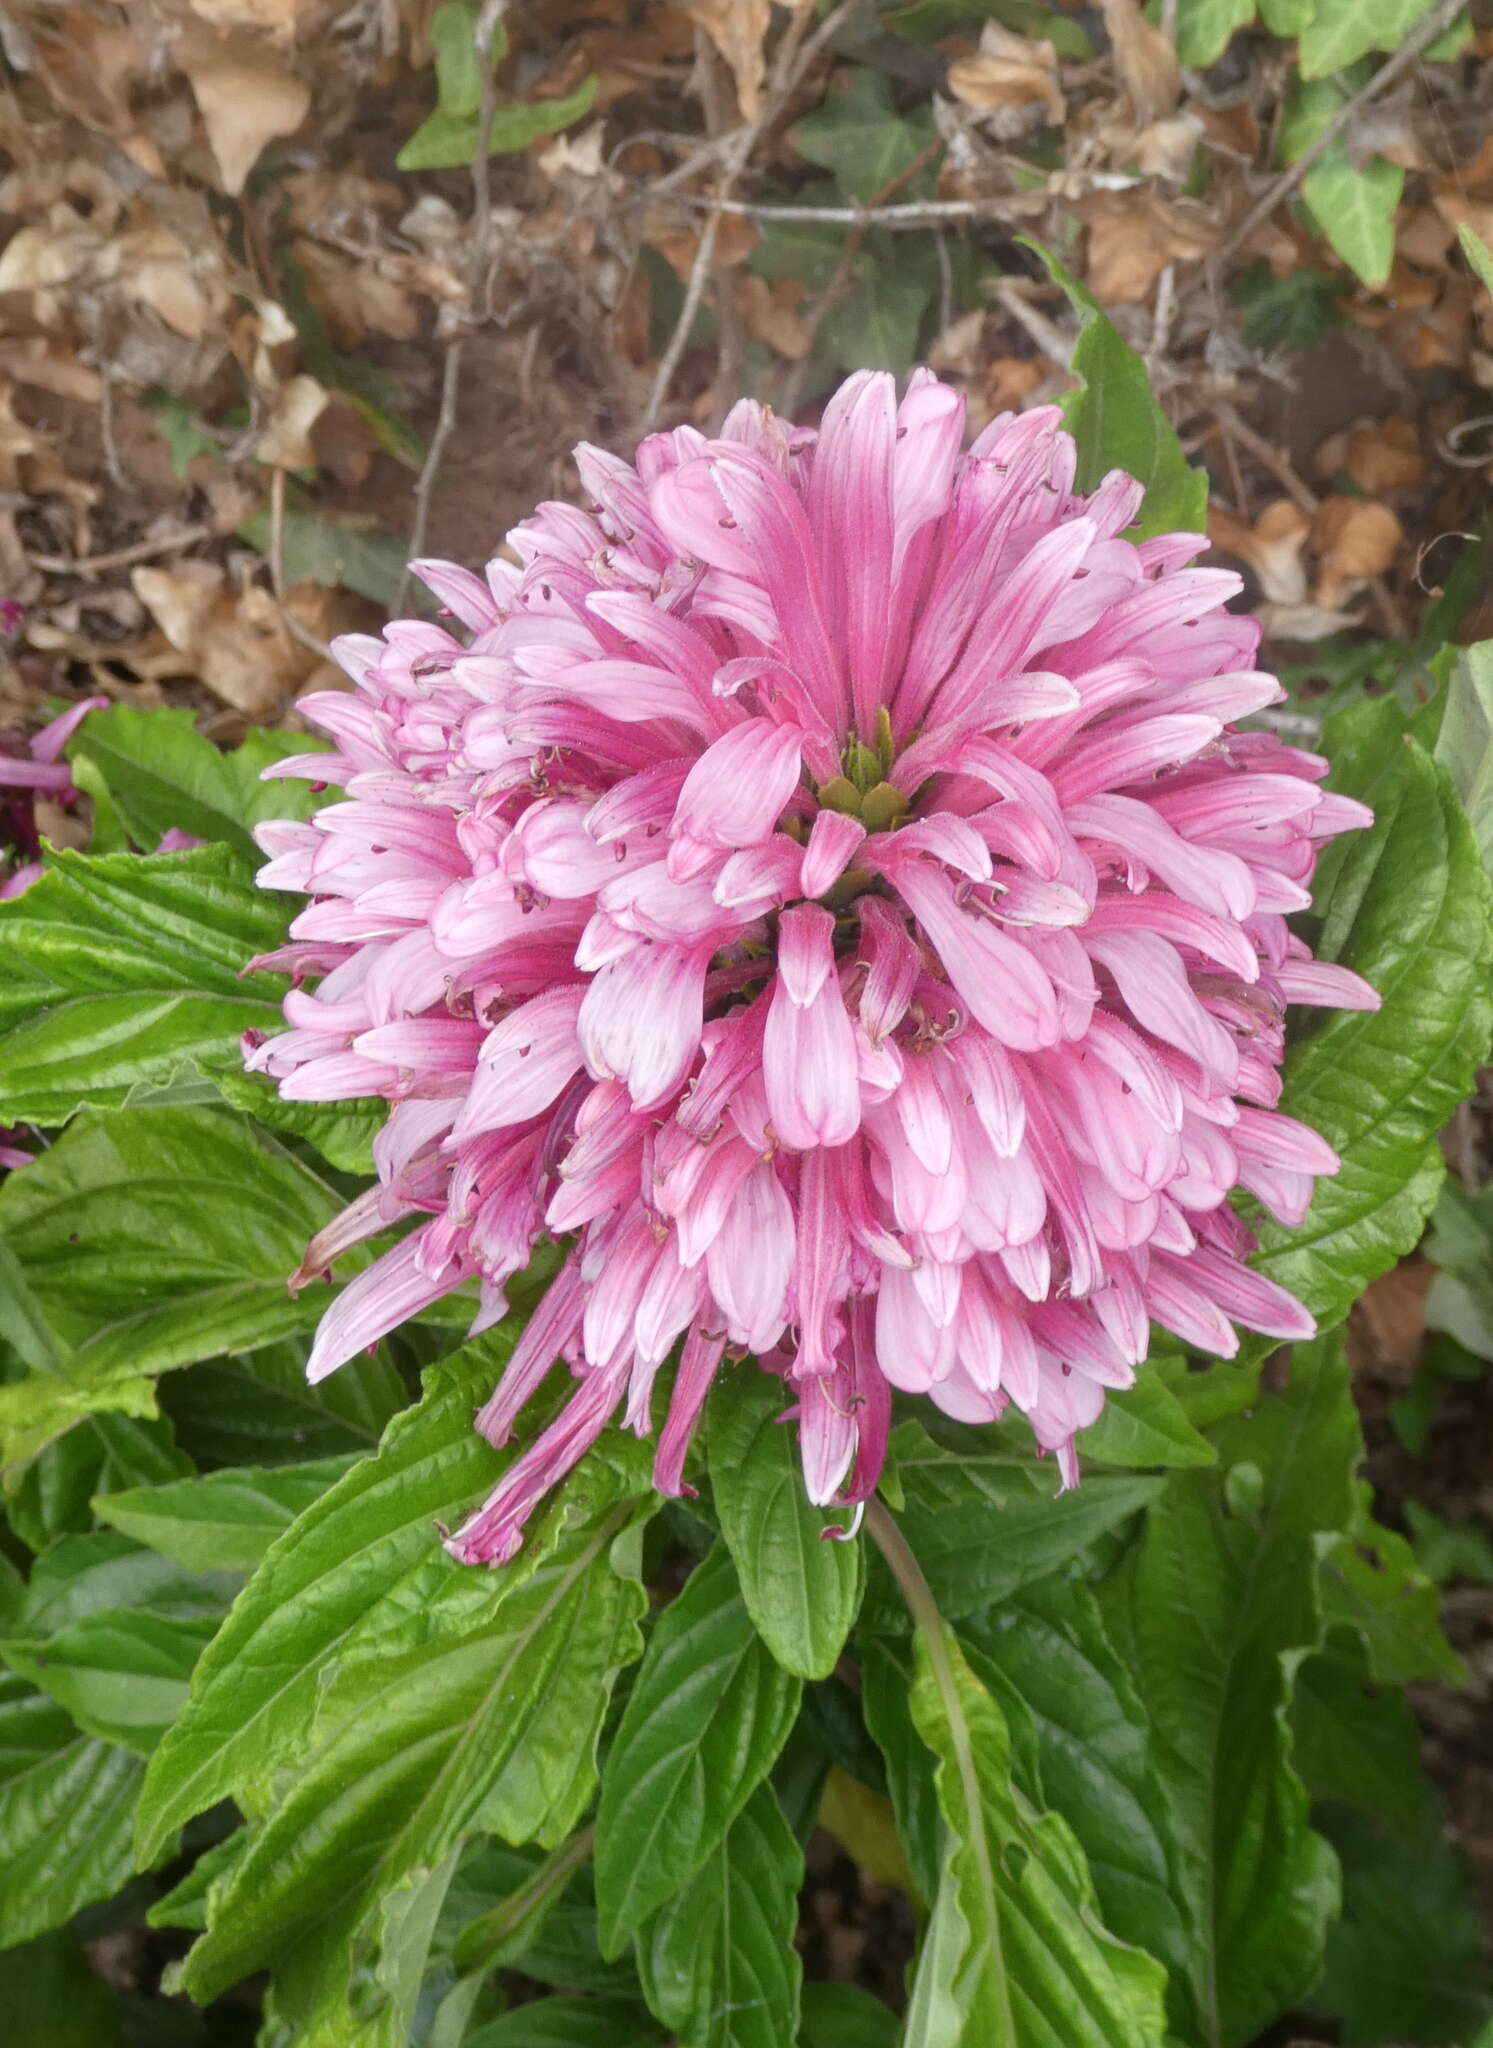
826 881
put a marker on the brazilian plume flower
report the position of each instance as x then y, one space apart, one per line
825 884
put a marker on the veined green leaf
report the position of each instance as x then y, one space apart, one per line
122 1677
718 1963
220 1521
1339 32
571 2023
1205 29
104 1454
801 1586
1464 745
122 968
859 136
707 1715
260 1409
1406 905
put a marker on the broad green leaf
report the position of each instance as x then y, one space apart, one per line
260 1409
342 1132
1018 1954
845 2016
65 1803
104 1454
1478 254
554 1942
708 1713
83 1577
887 1673
571 2023
1048 1644
1284 314
458 64
357 1573
1144 1425
1354 208
1406 905
984 1520
344 553
220 1521
153 1238
162 775
491 1723
801 1586
1356 1744
859 137
122 1677
876 325
1372 1581
48 1993
1210 1613
1339 32
1117 422
1464 745
122 968
1206 27
447 143
718 1963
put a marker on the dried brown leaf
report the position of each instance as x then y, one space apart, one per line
1008 71
738 28
286 441
1133 236
773 314
1378 455
246 100
1273 547
1355 540
1145 60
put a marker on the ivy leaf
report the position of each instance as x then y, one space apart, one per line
801 1587
983 1519
1406 905
445 142
1016 1952
718 1963
65 1803
1210 1612
707 1715
162 775
482 1724
152 1238
859 137
1205 29
1354 208
121 969
219 1521
357 1571
1117 422
1339 32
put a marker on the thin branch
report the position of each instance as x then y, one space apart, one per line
1267 455
912 213
123 558
1421 37
430 468
1051 339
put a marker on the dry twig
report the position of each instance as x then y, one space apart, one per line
123 558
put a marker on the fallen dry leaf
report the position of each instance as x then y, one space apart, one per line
1008 71
1145 59
1133 236
1273 547
1355 540
286 441
235 641
738 28
246 100
735 240
1378 455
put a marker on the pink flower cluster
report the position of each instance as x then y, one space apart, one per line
826 881
39 771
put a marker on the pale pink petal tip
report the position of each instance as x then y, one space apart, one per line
827 882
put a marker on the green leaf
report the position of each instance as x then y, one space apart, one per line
1048 1644
877 324
1464 745
1285 314
1341 31
359 1570
984 1520
104 1454
707 1715
342 1132
1018 1953
1356 1744
260 1409
1406 905
458 64
570 2023
554 1942
718 1963
122 1677
223 1521
341 554
1478 255
121 969
152 1238
163 775
1118 424
844 2016
1206 27
1145 1425
49 1993
859 137
801 1587
481 1726
65 1803
447 143
1210 1613
1372 1581
1354 208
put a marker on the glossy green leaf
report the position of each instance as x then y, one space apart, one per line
1372 1581
845 2016
802 1587
708 1713
553 1939
1356 1744
65 1803
1118 422
153 1238
220 1521
1210 1613
1206 27
1353 207
122 1677
123 968
1464 745
887 1672
1406 905
163 776
571 2023
491 1722
342 1132
458 63
359 1571
1144 1425
104 1454
984 1519
1017 1953
718 1963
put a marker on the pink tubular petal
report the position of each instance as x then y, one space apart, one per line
393 1289
736 790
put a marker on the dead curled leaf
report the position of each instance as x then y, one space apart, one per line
245 97
1273 547
1355 540
235 641
1145 59
1008 71
1133 236
1377 455
773 314
738 28
286 441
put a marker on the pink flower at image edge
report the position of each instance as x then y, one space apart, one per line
828 881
